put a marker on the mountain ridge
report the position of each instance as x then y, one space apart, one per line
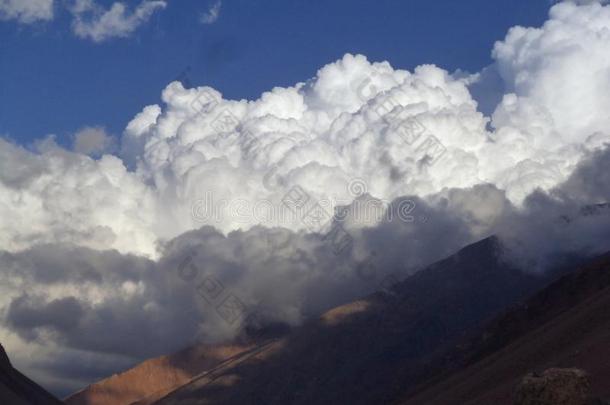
17 389
366 351
563 325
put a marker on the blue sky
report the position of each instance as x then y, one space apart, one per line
53 82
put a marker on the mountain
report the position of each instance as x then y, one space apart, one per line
400 345
154 378
566 324
375 349
17 389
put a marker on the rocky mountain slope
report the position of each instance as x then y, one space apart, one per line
372 350
400 345
566 324
17 389
154 378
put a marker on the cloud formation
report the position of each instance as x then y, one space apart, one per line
92 21
195 202
398 132
213 13
556 74
54 195
26 11
65 297
93 141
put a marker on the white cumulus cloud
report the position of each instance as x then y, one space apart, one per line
93 141
557 74
26 11
94 22
212 15
204 160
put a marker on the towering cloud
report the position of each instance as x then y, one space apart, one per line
556 75
204 195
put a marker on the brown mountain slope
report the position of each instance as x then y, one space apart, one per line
17 389
154 378
567 324
372 350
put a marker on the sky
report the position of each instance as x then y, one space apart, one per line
71 82
273 149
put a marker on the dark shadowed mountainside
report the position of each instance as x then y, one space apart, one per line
372 350
17 389
566 324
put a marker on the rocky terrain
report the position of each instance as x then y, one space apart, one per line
154 378
371 350
565 325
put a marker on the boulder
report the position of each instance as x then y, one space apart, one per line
555 386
